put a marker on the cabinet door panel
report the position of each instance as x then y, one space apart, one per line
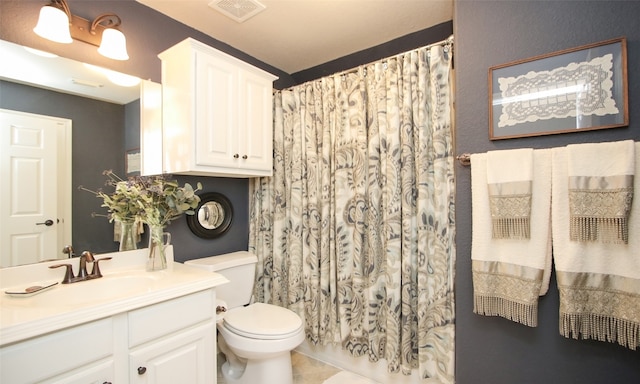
81 346
187 357
257 118
176 314
97 374
216 113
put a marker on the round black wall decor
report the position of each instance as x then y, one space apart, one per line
213 216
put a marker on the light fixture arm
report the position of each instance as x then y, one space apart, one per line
62 4
107 20
100 32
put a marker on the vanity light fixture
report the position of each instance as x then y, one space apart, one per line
57 23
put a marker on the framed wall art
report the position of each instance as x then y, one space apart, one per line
578 89
132 162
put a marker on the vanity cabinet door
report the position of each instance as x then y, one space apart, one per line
82 354
101 373
186 357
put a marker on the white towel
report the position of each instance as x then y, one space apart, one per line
600 180
599 282
509 275
509 179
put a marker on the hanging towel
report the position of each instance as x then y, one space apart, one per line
599 283
509 178
600 190
509 275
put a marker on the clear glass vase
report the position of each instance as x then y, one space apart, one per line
158 241
127 236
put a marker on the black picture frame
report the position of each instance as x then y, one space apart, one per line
212 217
573 90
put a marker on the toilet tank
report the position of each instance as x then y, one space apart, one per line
239 268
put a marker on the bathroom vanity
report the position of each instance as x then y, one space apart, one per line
130 326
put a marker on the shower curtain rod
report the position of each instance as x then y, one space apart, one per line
445 42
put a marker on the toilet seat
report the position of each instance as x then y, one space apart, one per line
262 321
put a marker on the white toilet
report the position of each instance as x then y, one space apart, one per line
256 339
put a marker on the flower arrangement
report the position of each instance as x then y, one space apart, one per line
154 200
161 200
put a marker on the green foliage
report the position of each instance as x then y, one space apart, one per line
154 200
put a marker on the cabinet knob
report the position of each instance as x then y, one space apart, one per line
236 156
245 157
107 382
142 370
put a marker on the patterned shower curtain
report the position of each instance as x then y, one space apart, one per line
355 229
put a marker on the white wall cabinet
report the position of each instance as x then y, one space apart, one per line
170 342
217 113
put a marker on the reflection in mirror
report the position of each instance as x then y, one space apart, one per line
44 70
213 216
102 129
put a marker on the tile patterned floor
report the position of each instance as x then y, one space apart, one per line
305 370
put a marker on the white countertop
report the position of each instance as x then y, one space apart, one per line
56 308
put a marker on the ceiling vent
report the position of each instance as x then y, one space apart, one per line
238 10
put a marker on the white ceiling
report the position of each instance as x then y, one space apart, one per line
293 35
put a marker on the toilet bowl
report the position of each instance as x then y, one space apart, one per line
256 339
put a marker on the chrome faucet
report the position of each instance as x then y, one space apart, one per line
86 256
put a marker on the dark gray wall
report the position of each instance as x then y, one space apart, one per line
488 33
489 350
402 44
148 33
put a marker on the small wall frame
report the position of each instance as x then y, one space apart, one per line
577 89
132 162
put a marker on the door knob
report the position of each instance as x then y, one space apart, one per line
48 223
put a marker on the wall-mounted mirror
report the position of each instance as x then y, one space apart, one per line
104 127
213 216
44 70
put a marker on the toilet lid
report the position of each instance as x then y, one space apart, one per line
262 321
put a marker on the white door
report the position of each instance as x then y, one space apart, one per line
35 193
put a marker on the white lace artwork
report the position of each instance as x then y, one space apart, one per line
578 89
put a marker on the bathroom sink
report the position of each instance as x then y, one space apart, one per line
97 290
108 287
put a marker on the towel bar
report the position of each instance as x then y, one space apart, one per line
464 159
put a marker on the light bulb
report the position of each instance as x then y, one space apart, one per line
53 24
